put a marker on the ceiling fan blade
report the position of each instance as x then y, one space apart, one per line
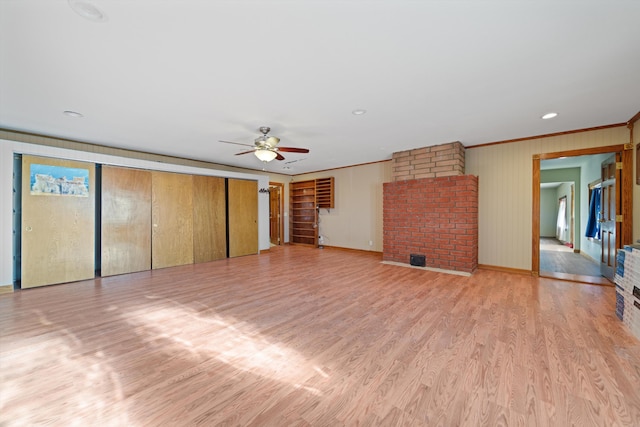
236 143
293 150
246 152
279 156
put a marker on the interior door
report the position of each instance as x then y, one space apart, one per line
209 218
243 217
609 206
274 215
58 221
172 219
126 220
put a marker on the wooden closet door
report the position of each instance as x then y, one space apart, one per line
172 219
243 217
209 219
58 221
126 220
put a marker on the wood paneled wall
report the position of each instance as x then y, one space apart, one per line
505 193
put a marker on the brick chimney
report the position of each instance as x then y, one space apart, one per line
431 209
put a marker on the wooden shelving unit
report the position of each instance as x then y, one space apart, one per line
306 197
303 220
324 193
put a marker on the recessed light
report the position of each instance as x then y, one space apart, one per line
74 114
549 116
87 10
358 112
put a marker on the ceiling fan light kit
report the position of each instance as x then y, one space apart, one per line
265 155
264 147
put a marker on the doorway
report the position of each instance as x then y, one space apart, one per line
561 251
276 211
623 227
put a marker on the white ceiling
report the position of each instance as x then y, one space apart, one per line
174 77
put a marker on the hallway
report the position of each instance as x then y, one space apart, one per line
559 261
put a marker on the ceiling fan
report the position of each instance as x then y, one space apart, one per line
265 147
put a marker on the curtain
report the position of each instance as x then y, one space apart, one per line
561 223
593 226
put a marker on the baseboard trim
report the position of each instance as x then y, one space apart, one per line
6 289
505 269
589 257
340 248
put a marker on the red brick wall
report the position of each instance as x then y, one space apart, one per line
435 217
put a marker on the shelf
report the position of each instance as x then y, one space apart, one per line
324 193
305 197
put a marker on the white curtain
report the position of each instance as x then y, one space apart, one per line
561 223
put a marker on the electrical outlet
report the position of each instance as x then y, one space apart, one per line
370 242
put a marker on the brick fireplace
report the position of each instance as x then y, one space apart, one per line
431 209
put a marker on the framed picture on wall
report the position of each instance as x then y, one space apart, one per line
638 163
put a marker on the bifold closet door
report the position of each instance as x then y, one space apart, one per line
126 220
172 219
242 198
209 219
58 221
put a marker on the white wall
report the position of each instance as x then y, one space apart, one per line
8 148
548 212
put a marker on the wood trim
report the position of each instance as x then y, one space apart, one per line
535 217
505 269
582 152
627 200
342 167
340 248
14 135
626 229
634 118
548 135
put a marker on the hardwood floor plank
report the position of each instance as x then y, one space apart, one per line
309 337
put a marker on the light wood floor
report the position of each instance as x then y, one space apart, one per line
310 337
